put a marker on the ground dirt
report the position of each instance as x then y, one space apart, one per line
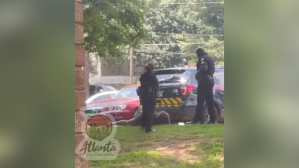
185 150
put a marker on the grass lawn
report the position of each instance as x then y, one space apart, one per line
198 146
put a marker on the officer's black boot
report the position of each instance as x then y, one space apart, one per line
211 122
151 130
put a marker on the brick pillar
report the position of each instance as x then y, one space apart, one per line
80 95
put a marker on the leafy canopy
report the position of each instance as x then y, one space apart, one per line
111 24
180 22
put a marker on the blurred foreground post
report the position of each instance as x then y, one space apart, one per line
80 83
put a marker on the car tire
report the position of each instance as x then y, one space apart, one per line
221 119
135 113
206 116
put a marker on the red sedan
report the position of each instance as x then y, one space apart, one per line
122 106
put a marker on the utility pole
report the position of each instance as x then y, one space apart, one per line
131 64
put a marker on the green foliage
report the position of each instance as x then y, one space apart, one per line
115 64
213 46
93 62
221 63
213 15
182 23
111 24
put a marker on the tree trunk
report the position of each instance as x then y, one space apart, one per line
86 69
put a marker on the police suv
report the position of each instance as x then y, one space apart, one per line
178 91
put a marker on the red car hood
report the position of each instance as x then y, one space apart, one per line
219 87
111 102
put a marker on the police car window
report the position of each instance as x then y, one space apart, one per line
219 78
126 93
169 73
192 78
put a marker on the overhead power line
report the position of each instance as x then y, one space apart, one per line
220 35
190 3
168 44
164 52
179 43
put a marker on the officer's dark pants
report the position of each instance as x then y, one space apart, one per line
148 110
204 93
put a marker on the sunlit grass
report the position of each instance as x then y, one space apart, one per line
198 146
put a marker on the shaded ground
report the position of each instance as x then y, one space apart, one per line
200 146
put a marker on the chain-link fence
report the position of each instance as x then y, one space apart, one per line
108 80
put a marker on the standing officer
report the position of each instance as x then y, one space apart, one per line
147 90
205 79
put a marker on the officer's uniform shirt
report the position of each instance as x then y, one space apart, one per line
205 59
148 79
204 78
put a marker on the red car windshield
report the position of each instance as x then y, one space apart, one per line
129 92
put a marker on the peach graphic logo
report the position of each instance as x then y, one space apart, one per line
99 142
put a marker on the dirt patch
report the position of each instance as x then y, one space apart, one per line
221 158
184 150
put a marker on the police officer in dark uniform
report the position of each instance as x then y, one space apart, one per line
147 93
204 76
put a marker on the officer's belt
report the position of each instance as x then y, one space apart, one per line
149 89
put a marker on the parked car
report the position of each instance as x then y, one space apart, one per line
122 106
219 86
94 89
178 91
101 96
177 95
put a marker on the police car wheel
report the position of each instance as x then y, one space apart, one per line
135 113
206 116
221 117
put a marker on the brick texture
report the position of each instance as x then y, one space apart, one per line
80 163
78 13
79 123
80 98
79 80
78 139
79 56
79 34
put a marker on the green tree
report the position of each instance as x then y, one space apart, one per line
111 27
212 45
213 15
111 24
172 21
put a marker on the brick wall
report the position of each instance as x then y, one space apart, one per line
80 95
